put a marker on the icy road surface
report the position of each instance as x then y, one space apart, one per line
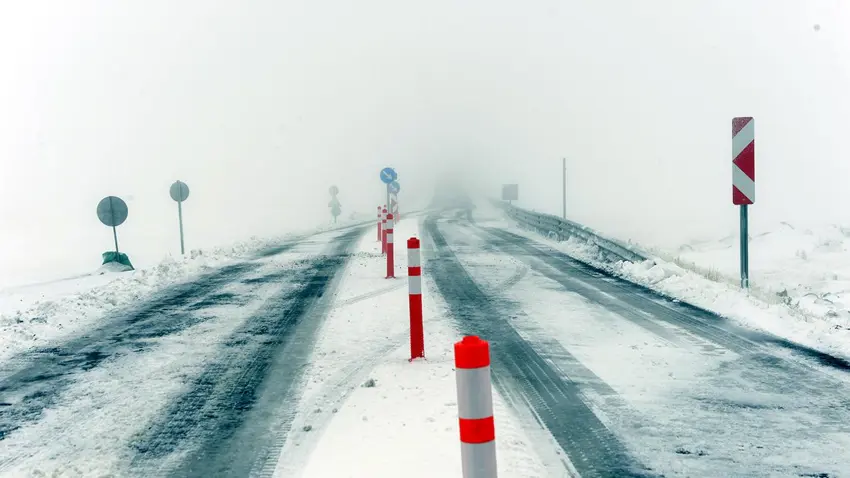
258 369
632 384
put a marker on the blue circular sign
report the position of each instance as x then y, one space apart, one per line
388 175
395 187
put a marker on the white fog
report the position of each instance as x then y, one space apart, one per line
260 106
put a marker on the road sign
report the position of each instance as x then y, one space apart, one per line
510 192
179 191
743 161
744 183
388 175
112 211
395 187
336 207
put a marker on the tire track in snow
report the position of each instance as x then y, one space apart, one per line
813 388
593 449
36 378
236 416
370 295
646 308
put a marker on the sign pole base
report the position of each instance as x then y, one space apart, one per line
745 246
180 219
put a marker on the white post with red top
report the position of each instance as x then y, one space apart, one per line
475 408
390 256
414 284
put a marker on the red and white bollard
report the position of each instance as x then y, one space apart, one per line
384 231
390 257
414 285
475 408
379 224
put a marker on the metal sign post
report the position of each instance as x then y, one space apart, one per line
336 207
564 188
744 182
180 192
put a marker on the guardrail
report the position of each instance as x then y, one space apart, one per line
563 229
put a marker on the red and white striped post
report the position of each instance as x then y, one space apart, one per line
384 231
379 224
414 284
744 182
475 408
390 257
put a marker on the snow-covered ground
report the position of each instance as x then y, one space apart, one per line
404 420
800 279
804 268
35 314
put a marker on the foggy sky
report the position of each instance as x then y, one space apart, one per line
260 106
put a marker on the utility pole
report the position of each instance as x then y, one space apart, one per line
565 187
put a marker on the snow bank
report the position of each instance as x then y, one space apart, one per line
807 269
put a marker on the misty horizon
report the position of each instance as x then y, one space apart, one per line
261 106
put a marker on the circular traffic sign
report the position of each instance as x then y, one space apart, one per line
395 187
179 191
388 175
334 190
112 211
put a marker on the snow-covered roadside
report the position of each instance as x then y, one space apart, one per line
89 425
36 314
829 333
807 269
366 410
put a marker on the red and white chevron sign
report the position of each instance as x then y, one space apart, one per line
743 160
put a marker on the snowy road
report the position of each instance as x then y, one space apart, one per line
519 369
632 384
256 369
189 404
